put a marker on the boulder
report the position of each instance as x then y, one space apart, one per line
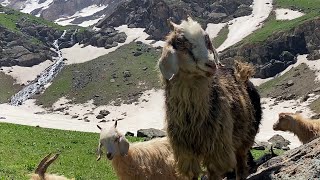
278 141
151 133
299 163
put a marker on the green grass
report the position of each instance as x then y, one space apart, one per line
94 78
7 87
22 148
259 153
11 17
268 86
272 26
221 37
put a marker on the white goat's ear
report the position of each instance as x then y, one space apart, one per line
123 146
173 26
168 62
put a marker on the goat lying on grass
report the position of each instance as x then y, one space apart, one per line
151 160
305 129
212 113
40 172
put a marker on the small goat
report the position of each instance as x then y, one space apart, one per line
40 172
305 129
151 160
213 113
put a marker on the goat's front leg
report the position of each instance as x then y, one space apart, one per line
242 167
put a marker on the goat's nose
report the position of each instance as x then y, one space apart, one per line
109 156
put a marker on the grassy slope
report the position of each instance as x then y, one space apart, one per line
22 148
271 26
7 87
94 77
221 37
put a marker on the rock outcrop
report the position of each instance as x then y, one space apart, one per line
300 163
153 14
278 51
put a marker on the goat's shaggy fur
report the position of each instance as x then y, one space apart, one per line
213 114
139 161
40 172
305 129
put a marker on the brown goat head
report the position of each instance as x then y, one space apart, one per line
283 121
188 49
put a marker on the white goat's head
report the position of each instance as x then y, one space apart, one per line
188 48
114 142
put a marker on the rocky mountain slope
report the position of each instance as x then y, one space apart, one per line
279 50
300 163
71 11
26 40
153 14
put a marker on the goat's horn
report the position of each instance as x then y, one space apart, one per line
171 24
50 161
40 166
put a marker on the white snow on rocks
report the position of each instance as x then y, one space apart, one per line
241 27
287 14
31 5
214 29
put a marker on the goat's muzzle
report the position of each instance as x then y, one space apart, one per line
109 156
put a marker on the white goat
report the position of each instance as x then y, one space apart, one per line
150 160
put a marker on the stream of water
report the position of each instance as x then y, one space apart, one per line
44 78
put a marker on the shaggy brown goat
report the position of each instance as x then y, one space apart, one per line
306 129
40 172
212 113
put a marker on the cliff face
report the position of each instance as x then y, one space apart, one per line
152 14
300 163
278 51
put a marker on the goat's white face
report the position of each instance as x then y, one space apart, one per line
189 50
114 142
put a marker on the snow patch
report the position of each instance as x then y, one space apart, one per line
144 115
24 75
270 116
78 54
214 29
313 65
5 3
241 27
287 14
85 12
31 5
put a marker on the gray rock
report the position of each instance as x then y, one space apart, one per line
126 74
300 163
278 141
137 53
99 116
129 134
104 112
74 116
151 133
290 83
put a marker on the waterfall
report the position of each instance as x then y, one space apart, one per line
44 78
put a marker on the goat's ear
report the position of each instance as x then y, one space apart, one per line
173 26
123 146
168 62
